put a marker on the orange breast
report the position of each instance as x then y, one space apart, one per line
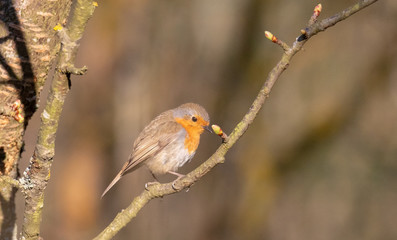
192 139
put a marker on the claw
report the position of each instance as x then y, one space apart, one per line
173 185
148 184
179 176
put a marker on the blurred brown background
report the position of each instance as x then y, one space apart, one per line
318 163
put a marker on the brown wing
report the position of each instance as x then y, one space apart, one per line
150 141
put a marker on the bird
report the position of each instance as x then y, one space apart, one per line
168 142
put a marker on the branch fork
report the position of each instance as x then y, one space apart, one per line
68 49
313 19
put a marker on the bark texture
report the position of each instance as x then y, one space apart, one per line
28 46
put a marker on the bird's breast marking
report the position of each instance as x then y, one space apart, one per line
192 138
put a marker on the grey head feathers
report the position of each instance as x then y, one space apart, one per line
191 109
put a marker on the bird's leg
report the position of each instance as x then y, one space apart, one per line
148 184
155 178
179 176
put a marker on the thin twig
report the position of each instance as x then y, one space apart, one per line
11 181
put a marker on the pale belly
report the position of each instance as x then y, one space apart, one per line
172 157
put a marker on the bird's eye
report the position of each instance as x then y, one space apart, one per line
194 119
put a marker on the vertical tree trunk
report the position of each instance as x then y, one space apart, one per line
28 46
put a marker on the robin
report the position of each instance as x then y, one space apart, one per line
168 142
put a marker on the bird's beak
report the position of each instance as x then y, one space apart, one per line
208 128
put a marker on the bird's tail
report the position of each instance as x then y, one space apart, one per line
115 180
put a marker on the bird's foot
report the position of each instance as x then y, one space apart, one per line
148 184
173 184
179 177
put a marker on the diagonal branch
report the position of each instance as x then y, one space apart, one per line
37 175
161 190
331 21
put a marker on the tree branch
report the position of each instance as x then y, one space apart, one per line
10 181
161 190
331 21
37 175
27 50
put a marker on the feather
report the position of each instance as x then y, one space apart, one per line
153 138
